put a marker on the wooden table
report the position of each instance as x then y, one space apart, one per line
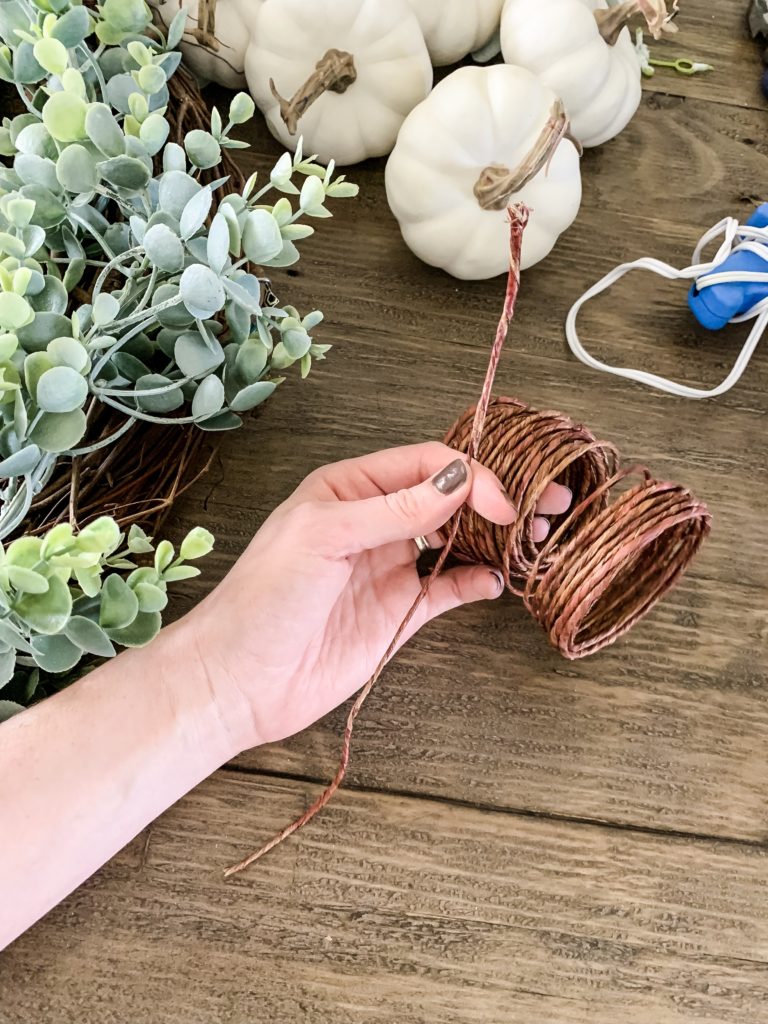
521 839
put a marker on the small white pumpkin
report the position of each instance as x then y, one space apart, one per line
215 38
484 138
454 28
341 73
583 50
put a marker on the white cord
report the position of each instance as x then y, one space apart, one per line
736 238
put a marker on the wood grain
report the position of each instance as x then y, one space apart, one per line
522 840
393 909
666 730
715 33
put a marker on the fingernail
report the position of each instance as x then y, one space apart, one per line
452 477
499 579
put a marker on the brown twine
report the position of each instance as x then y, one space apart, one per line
604 564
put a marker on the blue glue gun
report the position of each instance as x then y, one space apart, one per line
730 288
716 305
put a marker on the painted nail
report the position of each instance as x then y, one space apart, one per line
499 579
451 478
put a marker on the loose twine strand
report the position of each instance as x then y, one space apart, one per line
518 218
605 563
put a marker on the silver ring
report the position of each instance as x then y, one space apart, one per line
422 544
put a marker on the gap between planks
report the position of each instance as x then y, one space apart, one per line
514 812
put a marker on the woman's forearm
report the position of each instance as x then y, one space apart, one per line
82 773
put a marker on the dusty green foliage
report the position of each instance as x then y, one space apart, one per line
174 330
67 595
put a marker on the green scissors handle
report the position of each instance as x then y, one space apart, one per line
682 66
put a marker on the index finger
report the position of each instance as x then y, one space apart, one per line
395 469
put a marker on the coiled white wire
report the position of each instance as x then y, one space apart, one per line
736 238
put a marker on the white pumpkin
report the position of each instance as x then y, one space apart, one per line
485 138
454 28
583 50
341 73
215 38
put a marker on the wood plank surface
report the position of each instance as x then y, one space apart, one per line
522 840
667 729
366 919
713 32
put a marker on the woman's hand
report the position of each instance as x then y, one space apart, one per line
306 614
297 626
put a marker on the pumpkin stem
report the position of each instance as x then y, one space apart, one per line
611 20
205 33
334 72
497 184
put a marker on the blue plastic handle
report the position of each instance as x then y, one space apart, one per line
716 306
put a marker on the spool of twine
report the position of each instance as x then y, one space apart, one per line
606 562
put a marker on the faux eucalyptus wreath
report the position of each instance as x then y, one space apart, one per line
125 281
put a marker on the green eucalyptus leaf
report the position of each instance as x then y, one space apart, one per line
141 631
9 708
64 116
251 360
68 352
36 170
129 366
105 309
209 397
173 316
100 536
262 240
194 355
119 604
217 247
176 29
151 78
76 169
151 598
89 637
27 580
46 613
177 573
194 213
51 55
174 157
126 172
252 395
175 190
244 297
49 210
72 27
16 312
103 129
52 297
202 149
164 248
21 462
26 69
55 653
201 291
36 335
223 421
7 668
163 402
119 90
153 133
197 544
59 432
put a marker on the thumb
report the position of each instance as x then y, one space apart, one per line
402 515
